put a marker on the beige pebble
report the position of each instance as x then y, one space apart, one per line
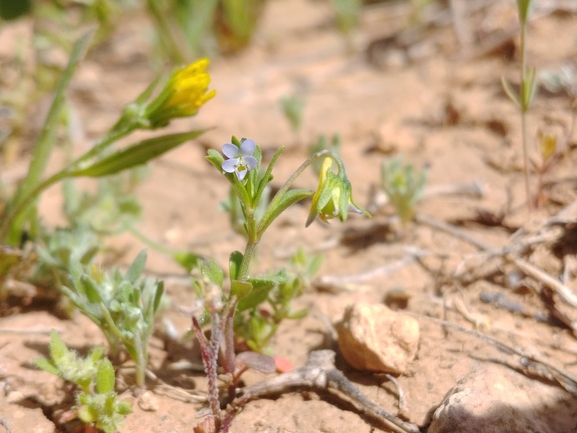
373 337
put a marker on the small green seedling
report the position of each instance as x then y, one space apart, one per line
97 402
403 185
292 107
123 306
527 91
347 14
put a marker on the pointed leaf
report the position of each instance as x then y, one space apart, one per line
58 350
288 199
136 268
510 92
235 262
135 155
46 365
268 174
187 260
240 289
211 270
105 377
158 296
91 289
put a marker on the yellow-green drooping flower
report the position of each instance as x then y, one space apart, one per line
333 197
184 93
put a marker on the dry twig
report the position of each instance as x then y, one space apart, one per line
320 373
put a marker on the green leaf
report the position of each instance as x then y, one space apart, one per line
288 199
261 287
234 262
123 408
240 289
158 296
298 315
105 377
215 158
58 350
91 289
268 175
510 92
211 270
136 268
315 264
135 155
47 136
47 365
187 260
525 7
87 414
254 298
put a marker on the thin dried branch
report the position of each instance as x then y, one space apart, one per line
320 373
565 379
563 291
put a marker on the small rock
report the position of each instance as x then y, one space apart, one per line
495 399
375 338
148 402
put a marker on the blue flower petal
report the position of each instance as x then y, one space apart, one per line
230 165
247 148
230 150
250 162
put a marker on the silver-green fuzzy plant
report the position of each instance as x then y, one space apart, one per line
404 186
97 402
123 306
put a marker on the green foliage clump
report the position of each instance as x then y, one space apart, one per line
403 185
97 402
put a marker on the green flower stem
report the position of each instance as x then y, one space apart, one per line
275 201
524 108
141 361
246 259
22 204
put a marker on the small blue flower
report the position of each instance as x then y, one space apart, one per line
240 159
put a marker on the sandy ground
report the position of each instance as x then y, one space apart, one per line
444 108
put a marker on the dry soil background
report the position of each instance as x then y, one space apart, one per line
439 106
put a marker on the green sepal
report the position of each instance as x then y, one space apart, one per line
216 159
135 155
105 377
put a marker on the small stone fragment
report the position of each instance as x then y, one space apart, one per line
496 399
375 338
148 402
